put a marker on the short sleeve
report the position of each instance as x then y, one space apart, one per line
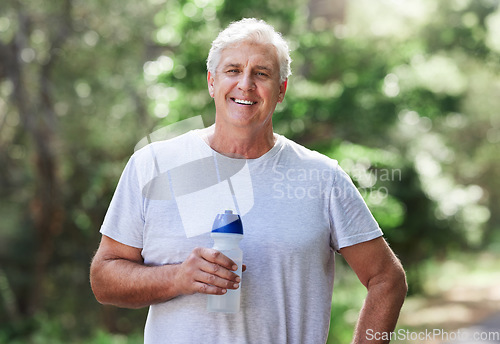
124 220
351 219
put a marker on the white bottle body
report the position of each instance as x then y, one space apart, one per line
227 244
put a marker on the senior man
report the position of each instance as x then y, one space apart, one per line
145 257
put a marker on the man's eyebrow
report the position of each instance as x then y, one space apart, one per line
232 65
269 69
238 65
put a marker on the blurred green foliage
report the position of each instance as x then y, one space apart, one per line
404 96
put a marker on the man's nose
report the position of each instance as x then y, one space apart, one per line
246 82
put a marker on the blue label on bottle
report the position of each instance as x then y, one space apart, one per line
227 223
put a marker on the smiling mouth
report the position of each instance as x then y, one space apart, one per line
243 102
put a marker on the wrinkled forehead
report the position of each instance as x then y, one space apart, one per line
249 52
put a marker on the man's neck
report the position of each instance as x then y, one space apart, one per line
239 143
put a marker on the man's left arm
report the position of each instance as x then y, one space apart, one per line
382 274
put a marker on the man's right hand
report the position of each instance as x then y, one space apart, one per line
206 271
119 277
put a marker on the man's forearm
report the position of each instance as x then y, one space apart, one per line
128 284
119 276
380 311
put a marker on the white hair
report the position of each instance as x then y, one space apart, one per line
253 30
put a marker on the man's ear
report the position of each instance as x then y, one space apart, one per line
210 82
283 86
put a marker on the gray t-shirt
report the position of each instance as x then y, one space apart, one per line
298 207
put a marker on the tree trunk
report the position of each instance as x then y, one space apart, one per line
36 112
330 13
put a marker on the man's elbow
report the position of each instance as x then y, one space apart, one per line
99 294
397 282
391 282
97 284
101 297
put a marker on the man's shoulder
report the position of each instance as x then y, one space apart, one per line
169 152
172 142
167 146
307 155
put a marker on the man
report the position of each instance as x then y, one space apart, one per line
303 208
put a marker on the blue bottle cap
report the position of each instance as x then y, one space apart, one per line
227 223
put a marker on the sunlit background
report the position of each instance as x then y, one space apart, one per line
405 94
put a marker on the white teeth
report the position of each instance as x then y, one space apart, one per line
245 102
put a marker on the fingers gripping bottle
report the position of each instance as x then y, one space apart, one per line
227 232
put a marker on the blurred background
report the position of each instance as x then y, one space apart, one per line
405 94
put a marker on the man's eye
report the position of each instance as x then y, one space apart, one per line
233 71
261 74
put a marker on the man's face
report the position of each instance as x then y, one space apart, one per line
246 86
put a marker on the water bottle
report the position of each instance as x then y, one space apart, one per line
227 232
